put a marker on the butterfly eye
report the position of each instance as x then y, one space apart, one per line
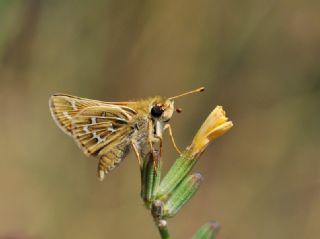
156 111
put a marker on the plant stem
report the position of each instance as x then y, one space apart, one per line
164 233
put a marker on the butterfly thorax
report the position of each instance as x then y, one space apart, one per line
152 114
142 121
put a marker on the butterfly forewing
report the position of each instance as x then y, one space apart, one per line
64 107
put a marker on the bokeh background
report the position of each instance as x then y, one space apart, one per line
259 59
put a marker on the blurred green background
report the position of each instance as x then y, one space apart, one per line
259 59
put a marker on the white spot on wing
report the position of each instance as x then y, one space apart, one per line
111 129
93 120
86 129
97 137
73 104
67 115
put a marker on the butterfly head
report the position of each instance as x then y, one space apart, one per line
162 109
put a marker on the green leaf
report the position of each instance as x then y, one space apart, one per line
207 231
182 194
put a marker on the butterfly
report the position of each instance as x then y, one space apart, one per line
109 130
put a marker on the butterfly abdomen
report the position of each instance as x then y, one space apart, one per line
109 160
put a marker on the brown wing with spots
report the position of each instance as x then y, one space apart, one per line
96 127
104 131
100 128
64 108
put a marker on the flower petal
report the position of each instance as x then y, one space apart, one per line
213 127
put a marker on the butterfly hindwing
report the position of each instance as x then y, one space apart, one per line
115 152
99 126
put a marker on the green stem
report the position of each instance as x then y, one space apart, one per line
164 233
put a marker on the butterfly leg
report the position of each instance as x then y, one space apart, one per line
156 153
155 144
168 126
135 149
155 141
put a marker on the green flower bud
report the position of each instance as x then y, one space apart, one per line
182 194
150 178
207 231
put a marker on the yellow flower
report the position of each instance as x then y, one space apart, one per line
214 126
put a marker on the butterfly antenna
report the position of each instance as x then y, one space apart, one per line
187 93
